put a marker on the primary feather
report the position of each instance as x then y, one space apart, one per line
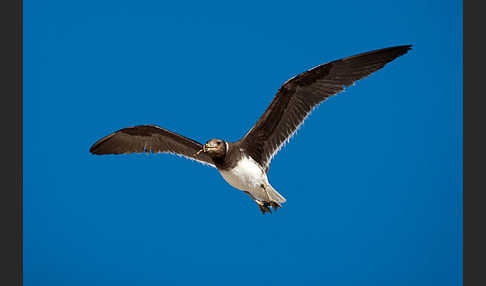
298 96
150 139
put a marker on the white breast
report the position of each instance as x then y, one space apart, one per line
247 175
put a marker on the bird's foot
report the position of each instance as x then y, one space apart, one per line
275 205
264 206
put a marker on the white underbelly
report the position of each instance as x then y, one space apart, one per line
246 175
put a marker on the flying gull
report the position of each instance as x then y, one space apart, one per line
244 164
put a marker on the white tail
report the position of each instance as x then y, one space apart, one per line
275 195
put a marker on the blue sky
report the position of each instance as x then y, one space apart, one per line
379 203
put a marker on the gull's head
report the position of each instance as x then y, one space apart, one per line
214 148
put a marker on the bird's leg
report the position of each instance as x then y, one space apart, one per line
251 196
262 205
275 205
266 191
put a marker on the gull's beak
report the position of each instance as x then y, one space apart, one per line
204 149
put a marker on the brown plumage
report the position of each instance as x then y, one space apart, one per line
301 94
244 164
149 138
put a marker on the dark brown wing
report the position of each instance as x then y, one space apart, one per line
301 94
149 138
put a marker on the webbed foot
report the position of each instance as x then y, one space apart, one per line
263 206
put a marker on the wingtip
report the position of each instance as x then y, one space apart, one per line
403 48
407 47
397 51
93 148
393 51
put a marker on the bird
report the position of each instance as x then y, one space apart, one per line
244 164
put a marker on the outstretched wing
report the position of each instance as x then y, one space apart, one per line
149 138
297 97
